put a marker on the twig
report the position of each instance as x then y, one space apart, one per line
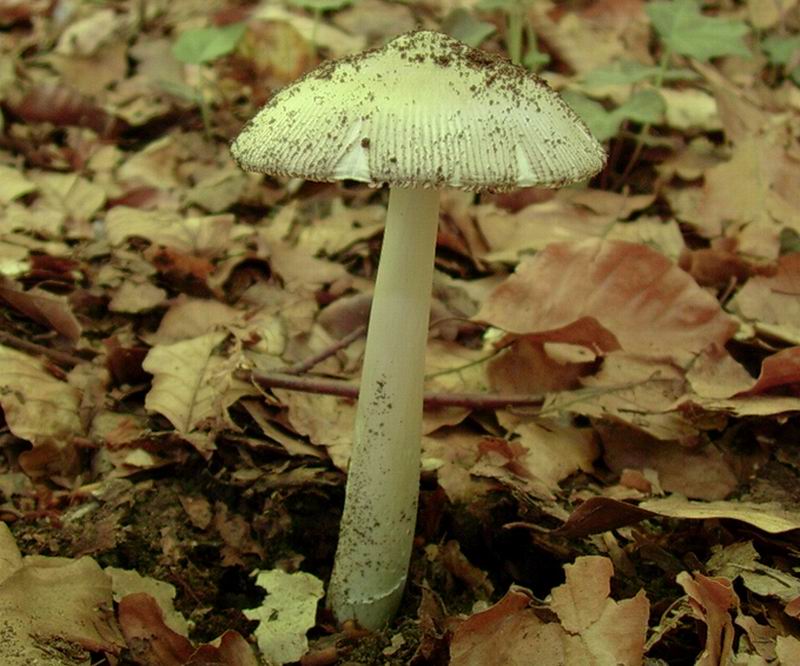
344 389
62 358
299 368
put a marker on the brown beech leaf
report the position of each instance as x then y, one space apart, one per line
631 389
37 406
152 642
781 369
525 366
719 383
711 600
772 303
770 517
62 106
49 603
44 307
192 384
599 514
506 633
618 294
696 472
591 627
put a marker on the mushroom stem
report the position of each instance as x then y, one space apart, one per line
380 510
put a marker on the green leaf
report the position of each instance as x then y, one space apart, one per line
463 26
780 50
624 72
686 31
790 241
602 123
489 5
179 90
321 5
644 106
201 45
535 59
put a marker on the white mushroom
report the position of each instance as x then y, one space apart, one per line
422 113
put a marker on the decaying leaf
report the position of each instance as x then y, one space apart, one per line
712 600
287 613
769 517
591 627
609 294
50 604
152 642
37 407
191 382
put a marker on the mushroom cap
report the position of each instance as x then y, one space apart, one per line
424 110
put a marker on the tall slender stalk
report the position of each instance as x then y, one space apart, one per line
380 510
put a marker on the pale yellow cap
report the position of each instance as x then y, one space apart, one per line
423 111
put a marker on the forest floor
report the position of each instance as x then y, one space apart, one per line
181 342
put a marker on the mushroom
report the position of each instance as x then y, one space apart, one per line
421 113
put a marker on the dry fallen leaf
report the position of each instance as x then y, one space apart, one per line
286 614
591 627
38 407
770 517
50 604
151 641
771 303
611 294
191 382
711 600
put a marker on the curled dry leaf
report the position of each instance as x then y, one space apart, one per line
125 582
151 641
771 303
611 294
38 407
700 473
43 307
717 375
638 391
764 202
191 383
63 106
287 613
591 627
711 600
205 236
525 366
768 516
46 602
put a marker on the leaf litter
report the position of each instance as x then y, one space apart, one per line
632 501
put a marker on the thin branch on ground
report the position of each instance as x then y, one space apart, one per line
345 389
62 358
303 366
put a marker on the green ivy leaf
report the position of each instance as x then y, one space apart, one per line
489 5
321 5
463 26
685 30
780 50
644 106
783 51
624 72
790 241
602 123
201 45
535 59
